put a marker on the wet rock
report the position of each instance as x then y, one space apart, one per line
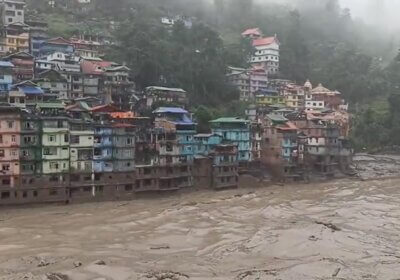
99 262
77 263
329 225
56 276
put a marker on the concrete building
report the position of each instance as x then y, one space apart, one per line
266 55
6 80
23 69
10 123
13 11
235 131
225 166
161 95
53 83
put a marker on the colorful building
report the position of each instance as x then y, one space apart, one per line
235 131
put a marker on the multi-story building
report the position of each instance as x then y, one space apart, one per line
38 34
269 97
56 45
294 96
12 11
53 83
55 148
240 78
235 131
30 153
205 143
23 69
10 124
156 96
118 88
266 55
15 38
6 71
225 166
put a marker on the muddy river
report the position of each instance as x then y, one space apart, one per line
337 230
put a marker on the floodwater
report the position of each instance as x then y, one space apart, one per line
337 230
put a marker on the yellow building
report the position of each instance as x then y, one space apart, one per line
266 100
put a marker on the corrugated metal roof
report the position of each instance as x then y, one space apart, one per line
230 120
176 110
165 89
6 64
31 90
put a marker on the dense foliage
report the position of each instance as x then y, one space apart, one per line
320 41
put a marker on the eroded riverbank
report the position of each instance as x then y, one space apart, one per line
338 230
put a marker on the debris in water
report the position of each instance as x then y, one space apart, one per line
77 264
336 272
313 238
56 276
329 225
100 262
160 247
165 275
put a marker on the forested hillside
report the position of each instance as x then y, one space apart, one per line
320 41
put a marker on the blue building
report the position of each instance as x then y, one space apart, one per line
6 72
235 131
102 153
55 45
173 120
205 142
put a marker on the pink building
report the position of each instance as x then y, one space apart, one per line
10 130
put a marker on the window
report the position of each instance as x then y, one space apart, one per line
10 124
35 193
25 194
128 187
5 195
129 141
6 181
13 153
53 192
52 138
13 138
12 99
6 167
74 139
1 138
87 189
54 165
1 153
66 138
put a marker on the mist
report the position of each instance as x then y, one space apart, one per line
382 13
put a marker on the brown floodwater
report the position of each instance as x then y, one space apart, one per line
337 230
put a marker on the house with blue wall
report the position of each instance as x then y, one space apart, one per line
102 153
205 142
178 121
6 72
235 131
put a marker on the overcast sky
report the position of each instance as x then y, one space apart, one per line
382 12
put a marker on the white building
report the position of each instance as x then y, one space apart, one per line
266 54
312 105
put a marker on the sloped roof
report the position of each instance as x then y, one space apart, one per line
265 41
252 31
230 120
176 110
165 89
277 117
107 108
59 41
6 64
